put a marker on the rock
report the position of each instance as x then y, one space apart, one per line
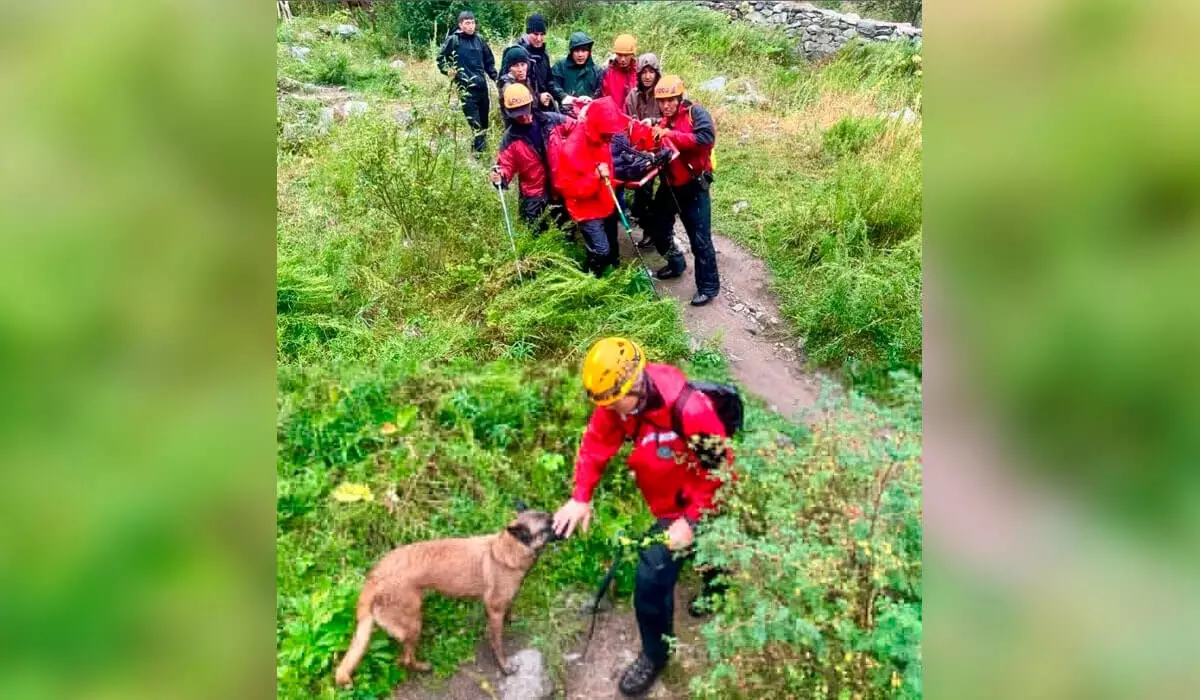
572 657
307 36
851 17
397 64
402 116
739 308
717 84
867 26
756 17
849 33
529 680
324 29
739 207
746 99
605 603
346 31
752 330
325 120
299 52
906 115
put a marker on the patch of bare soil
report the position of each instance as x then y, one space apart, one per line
616 644
745 320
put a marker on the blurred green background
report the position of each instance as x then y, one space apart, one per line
136 349
1062 187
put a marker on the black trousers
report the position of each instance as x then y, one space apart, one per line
643 205
532 209
600 240
475 107
694 206
654 596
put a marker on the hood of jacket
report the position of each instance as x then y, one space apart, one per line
578 40
603 118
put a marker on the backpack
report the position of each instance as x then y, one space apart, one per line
725 400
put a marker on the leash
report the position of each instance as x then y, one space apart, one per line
622 550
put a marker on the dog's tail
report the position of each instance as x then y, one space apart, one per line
362 636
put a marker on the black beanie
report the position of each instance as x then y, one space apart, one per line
535 23
465 14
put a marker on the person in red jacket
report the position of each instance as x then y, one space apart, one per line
619 77
522 153
636 400
582 170
688 128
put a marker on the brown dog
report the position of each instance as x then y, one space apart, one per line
490 567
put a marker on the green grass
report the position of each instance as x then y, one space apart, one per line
414 357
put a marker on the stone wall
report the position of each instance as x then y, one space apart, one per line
820 32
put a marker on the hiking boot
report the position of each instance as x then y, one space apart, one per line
646 243
638 677
671 270
700 299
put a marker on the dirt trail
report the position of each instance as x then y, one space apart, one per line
746 318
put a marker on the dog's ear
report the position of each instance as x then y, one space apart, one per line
522 533
520 505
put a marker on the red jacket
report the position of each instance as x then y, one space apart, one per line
672 489
692 132
616 83
574 164
518 159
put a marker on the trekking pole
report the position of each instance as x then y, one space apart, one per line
628 232
508 226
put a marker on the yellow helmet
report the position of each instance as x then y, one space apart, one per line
668 86
516 95
611 368
625 44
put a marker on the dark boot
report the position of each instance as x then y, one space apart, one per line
638 677
674 268
700 299
647 241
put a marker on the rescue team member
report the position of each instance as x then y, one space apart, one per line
620 73
522 153
580 167
634 400
689 128
575 78
466 58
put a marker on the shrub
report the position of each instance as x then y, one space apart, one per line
822 534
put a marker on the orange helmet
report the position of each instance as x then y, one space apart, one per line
668 86
611 368
625 44
516 95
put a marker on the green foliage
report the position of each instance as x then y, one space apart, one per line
822 534
850 135
417 26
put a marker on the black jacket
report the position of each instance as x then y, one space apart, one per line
539 64
471 56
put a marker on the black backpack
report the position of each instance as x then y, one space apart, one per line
725 399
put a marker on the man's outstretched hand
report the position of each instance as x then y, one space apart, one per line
572 514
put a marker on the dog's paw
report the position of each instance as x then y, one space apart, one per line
422 666
507 669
